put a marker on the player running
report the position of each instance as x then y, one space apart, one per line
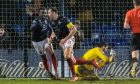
132 20
41 31
64 31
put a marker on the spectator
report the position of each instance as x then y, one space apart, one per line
7 37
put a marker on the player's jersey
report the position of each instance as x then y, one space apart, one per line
133 19
61 27
40 29
96 54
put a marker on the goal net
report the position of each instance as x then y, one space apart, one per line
99 20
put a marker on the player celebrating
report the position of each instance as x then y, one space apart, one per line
98 54
64 31
132 20
41 30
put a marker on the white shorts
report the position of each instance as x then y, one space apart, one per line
69 43
41 46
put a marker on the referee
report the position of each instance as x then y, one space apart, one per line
132 21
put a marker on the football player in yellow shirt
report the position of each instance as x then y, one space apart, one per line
86 71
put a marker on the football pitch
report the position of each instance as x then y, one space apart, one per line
65 81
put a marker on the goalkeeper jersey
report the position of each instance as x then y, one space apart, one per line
96 54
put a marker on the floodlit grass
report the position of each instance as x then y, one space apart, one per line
66 81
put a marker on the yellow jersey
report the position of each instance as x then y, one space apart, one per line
96 54
92 54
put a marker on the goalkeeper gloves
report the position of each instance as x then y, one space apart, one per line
112 52
112 57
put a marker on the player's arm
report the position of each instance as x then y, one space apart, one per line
104 59
33 25
102 56
72 29
51 38
127 20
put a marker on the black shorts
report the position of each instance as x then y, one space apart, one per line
135 42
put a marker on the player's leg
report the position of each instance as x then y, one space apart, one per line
53 58
70 61
39 47
49 49
68 55
86 74
135 54
80 61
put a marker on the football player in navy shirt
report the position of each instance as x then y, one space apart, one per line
41 31
64 31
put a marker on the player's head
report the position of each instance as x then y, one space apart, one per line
77 24
53 13
104 46
43 12
136 2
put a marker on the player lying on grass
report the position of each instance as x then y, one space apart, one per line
86 71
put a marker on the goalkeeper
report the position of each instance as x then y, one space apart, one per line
98 54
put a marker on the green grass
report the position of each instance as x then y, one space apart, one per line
65 81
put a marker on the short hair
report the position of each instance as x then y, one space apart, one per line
54 9
137 2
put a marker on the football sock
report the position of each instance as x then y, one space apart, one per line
45 62
54 62
71 66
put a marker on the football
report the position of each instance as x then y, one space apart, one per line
41 65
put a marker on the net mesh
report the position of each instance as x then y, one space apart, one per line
100 20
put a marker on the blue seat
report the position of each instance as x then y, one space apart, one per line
96 28
109 30
86 42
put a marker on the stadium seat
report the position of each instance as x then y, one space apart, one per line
86 41
96 28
